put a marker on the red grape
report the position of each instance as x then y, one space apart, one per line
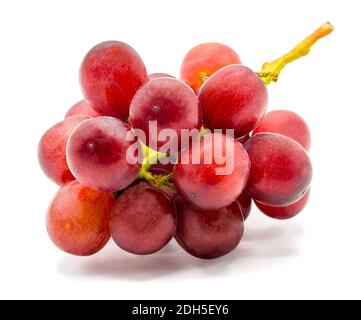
245 201
97 154
170 192
281 170
201 184
159 75
143 220
288 123
110 75
209 234
51 150
233 98
82 108
286 212
204 60
78 219
169 102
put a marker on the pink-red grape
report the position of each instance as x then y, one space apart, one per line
233 98
97 154
143 220
82 108
110 75
286 212
169 102
204 60
78 219
209 234
200 184
281 170
288 123
51 150
159 75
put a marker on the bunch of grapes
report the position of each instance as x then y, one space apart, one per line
143 204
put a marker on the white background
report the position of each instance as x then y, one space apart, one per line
316 255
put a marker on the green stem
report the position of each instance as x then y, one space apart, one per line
204 131
157 180
151 157
271 70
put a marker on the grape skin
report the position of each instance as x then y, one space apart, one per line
51 150
206 59
143 220
169 102
97 154
110 75
209 234
288 123
281 170
287 212
159 75
82 108
200 184
233 98
78 219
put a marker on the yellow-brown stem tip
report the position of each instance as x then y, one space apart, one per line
327 27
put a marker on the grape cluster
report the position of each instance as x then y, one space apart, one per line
143 205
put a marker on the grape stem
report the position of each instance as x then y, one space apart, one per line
151 157
203 76
158 180
271 70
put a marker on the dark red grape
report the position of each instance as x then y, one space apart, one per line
78 219
97 154
51 150
245 201
288 123
209 234
159 75
204 60
281 170
143 220
169 102
203 184
110 75
82 108
233 98
286 212
170 192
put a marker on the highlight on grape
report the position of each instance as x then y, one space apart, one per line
145 158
